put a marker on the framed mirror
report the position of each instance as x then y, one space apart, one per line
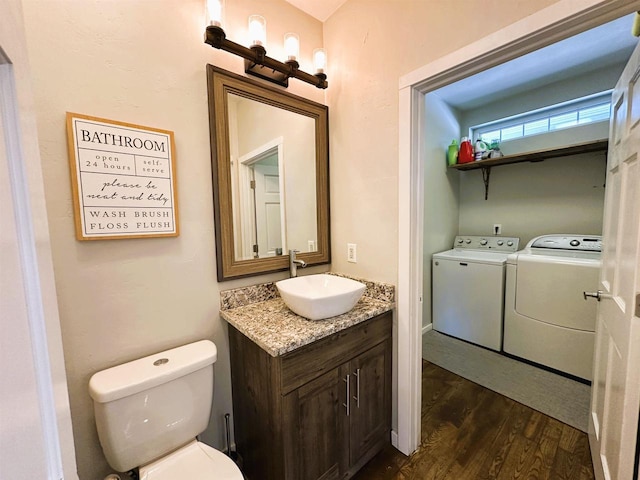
270 159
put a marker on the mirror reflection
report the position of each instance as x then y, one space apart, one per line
272 154
270 159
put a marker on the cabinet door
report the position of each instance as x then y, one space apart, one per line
316 428
370 419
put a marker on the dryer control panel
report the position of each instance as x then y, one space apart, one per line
491 242
583 243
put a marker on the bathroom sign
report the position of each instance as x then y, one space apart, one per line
123 179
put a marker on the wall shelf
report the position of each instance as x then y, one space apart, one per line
536 155
533 156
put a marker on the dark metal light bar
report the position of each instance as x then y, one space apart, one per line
258 64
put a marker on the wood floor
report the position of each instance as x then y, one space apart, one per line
470 432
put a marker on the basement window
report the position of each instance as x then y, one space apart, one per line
581 111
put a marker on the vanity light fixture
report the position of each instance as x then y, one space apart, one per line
256 61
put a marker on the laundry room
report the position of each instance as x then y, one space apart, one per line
539 125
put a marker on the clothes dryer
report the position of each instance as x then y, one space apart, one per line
547 320
468 289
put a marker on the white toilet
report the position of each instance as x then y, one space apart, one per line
149 411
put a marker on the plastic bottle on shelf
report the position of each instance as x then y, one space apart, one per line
452 153
465 155
482 150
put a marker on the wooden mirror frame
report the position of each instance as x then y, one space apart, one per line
220 83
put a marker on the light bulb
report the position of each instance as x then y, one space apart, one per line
215 12
257 30
292 45
319 60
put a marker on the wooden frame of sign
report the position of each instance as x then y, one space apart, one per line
123 178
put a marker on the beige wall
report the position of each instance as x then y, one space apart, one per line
141 62
370 44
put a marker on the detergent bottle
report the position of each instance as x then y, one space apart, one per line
465 155
452 153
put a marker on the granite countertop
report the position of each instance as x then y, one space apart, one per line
259 313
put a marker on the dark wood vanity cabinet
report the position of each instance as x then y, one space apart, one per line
319 412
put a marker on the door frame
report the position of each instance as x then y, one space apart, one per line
545 27
33 246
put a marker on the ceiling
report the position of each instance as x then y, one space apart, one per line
320 9
608 44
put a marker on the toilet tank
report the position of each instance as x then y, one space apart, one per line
151 406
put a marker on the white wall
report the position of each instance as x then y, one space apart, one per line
141 62
441 189
562 195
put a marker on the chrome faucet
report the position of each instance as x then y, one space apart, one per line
294 263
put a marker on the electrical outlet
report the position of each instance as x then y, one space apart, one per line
351 253
497 228
311 246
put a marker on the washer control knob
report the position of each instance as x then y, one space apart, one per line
500 242
510 243
574 243
483 242
467 241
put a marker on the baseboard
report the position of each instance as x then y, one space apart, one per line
394 438
427 328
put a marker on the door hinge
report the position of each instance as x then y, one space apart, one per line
255 248
637 305
252 184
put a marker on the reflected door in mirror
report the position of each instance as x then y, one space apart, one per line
262 134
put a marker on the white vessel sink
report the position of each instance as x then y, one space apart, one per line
320 296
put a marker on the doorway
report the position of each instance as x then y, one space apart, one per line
262 202
548 26
538 102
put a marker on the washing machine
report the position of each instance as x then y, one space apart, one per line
468 288
547 320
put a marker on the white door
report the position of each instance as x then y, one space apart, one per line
615 397
268 212
36 439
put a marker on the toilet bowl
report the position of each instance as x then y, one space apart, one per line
149 411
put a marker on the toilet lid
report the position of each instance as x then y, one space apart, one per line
195 461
